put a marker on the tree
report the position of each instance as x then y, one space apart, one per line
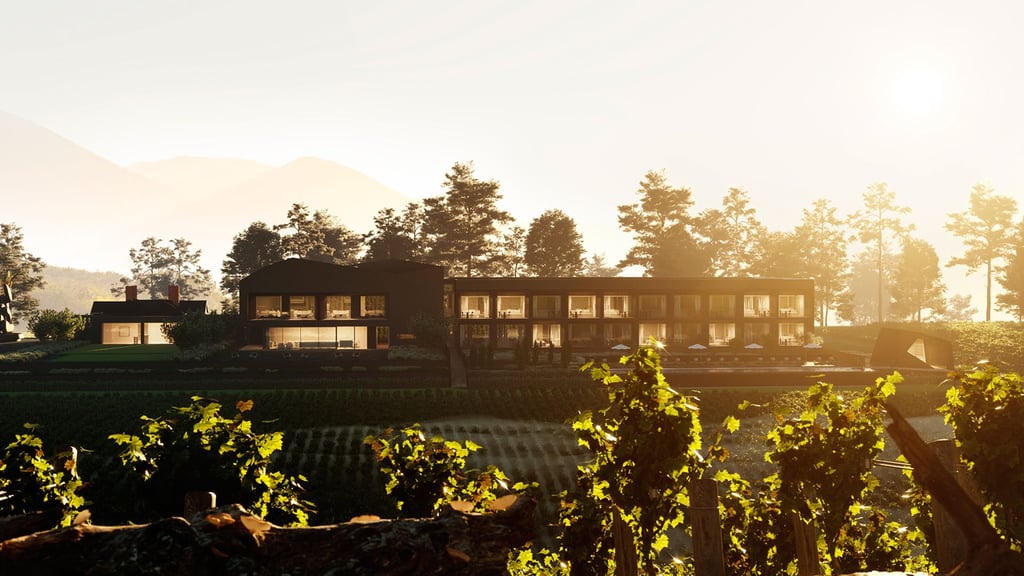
255 247
595 267
958 309
1011 278
21 270
50 325
986 230
318 236
822 239
917 281
461 226
877 225
732 234
155 266
395 236
508 260
663 230
554 247
778 254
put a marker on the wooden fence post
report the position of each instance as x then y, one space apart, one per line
706 529
950 543
806 536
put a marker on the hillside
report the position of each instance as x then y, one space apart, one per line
75 289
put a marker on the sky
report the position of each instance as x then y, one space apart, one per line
567 104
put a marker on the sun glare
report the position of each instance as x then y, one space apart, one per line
918 92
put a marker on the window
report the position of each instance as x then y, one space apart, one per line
756 333
477 306
584 334
791 305
339 307
618 333
654 330
651 306
582 306
791 333
547 335
474 334
510 306
510 335
722 305
756 305
721 333
268 306
382 336
616 306
301 307
308 337
687 305
547 306
686 333
373 306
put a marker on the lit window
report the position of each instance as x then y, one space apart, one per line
339 306
791 305
372 306
268 306
616 306
475 306
756 305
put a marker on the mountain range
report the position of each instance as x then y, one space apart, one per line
79 210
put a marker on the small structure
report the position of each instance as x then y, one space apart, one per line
134 321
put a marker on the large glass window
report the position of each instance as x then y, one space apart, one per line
316 337
791 305
511 306
373 306
339 306
582 306
721 333
382 336
301 307
547 306
686 333
268 306
475 306
652 305
791 333
654 330
687 305
756 305
616 306
722 305
619 333
584 335
474 334
547 335
756 333
510 335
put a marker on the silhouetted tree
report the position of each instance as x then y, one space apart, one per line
510 257
156 265
255 247
917 281
317 236
554 247
778 254
958 309
878 225
395 236
595 266
461 227
822 240
23 270
1011 277
731 234
663 230
986 230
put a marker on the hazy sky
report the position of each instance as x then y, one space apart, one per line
566 104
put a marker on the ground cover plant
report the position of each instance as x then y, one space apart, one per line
117 354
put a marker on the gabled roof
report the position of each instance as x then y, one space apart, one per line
150 308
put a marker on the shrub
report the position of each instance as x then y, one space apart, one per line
51 325
197 329
29 482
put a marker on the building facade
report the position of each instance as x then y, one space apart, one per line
134 321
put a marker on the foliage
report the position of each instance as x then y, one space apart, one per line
877 225
732 234
986 230
318 236
425 473
155 266
51 325
509 254
21 270
194 448
595 267
664 241
917 281
29 482
195 329
255 247
1011 277
554 247
646 446
461 227
395 236
984 407
822 240
430 329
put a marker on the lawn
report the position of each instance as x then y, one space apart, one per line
105 353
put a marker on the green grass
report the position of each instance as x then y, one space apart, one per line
106 353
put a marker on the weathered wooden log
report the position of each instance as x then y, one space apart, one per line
987 553
14 526
228 540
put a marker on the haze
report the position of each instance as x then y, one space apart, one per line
566 104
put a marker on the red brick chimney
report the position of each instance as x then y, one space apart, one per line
173 294
131 293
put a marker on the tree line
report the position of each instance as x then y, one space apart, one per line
894 276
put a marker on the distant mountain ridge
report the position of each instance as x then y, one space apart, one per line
79 210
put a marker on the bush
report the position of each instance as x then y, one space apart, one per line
51 325
197 329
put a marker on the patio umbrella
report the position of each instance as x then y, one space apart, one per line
753 346
620 347
697 347
812 345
